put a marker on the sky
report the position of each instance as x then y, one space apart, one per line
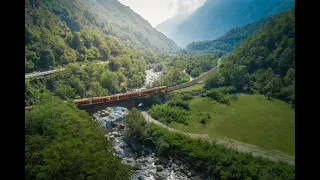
157 11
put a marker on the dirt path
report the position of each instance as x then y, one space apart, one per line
191 78
273 155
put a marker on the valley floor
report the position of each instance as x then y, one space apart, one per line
251 124
240 146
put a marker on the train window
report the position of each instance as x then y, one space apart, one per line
82 103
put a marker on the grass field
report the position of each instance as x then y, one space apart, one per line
252 119
190 88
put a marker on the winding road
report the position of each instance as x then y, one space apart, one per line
45 73
273 155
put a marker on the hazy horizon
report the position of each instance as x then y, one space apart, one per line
158 11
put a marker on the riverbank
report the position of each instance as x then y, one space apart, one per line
146 165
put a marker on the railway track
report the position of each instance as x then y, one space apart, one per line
141 93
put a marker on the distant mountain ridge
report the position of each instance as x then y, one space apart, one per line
226 43
216 17
169 26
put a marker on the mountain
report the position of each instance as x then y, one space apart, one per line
60 31
170 26
216 17
264 62
226 43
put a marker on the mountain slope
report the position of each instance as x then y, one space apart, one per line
59 32
170 26
216 17
264 62
226 43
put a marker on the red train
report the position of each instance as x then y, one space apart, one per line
116 97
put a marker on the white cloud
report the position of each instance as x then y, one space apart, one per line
184 7
157 11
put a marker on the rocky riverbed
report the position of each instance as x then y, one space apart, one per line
147 166
110 115
151 76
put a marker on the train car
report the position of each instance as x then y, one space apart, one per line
83 102
116 97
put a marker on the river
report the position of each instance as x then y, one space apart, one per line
147 166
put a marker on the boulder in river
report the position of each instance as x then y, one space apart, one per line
136 166
116 134
162 175
159 168
182 168
163 160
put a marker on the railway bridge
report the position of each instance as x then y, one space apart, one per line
131 99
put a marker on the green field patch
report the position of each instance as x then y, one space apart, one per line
190 88
251 119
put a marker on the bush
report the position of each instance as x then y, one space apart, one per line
186 96
234 97
135 125
167 114
204 121
221 94
179 103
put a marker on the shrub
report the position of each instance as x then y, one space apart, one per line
221 94
135 125
167 114
204 121
179 103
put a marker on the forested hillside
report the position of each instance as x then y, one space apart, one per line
58 32
226 43
264 62
63 142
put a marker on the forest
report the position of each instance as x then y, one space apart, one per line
264 62
62 142
59 32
